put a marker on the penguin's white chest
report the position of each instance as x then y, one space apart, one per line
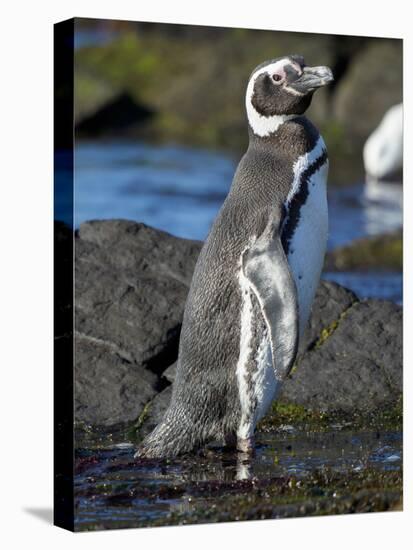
308 242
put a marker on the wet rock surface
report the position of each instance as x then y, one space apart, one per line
291 475
131 286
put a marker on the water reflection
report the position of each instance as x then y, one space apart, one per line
383 204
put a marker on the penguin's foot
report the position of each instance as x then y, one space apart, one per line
246 445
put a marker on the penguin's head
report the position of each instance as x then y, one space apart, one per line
280 89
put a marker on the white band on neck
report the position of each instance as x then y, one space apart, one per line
264 125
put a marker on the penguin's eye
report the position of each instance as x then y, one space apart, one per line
277 78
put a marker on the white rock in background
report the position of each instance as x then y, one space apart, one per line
383 150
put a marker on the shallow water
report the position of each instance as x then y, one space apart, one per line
112 489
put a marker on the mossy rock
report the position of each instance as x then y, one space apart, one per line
91 94
382 252
284 413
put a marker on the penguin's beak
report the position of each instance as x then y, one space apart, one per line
313 78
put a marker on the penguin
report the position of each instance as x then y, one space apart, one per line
257 273
383 150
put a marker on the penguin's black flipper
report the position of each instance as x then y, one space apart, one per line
266 267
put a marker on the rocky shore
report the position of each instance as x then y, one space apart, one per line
131 283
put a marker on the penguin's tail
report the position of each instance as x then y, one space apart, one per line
170 438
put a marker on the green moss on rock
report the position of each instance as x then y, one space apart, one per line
284 413
378 252
132 432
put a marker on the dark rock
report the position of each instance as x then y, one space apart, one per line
108 389
356 365
131 286
170 372
99 92
131 283
330 302
117 114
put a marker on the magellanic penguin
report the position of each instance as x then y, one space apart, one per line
257 273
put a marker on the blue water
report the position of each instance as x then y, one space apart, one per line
382 285
172 188
180 190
